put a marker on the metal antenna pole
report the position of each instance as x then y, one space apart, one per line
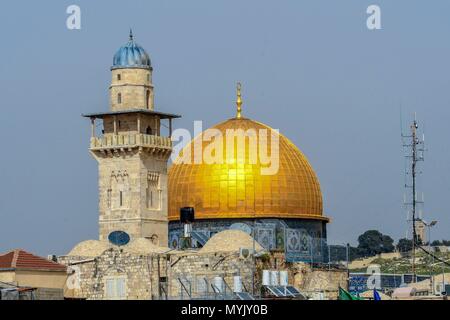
415 154
413 173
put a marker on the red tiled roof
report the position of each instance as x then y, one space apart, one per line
20 259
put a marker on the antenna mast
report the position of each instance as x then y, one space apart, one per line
414 152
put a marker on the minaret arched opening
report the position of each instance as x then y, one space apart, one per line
147 99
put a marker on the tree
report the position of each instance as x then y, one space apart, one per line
441 243
339 253
373 242
404 245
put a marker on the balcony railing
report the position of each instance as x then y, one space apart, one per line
129 141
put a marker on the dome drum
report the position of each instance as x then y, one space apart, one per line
271 234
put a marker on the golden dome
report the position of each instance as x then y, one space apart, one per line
233 189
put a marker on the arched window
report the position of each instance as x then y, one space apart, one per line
148 130
147 101
108 198
119 191
153 192
119 98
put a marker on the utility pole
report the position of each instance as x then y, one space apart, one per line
414 153
414 198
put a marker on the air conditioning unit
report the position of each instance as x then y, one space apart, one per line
237 281
284 278
266 278
274 278
245 253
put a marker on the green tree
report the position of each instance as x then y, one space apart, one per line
373 242
339 253
441 243
404 245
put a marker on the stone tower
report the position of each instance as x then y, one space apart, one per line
132 154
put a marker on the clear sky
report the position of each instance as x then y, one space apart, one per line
310 68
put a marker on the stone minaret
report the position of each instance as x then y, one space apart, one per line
131 152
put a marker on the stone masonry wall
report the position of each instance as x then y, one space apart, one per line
160 276
89 278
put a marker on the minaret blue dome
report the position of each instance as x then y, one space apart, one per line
131 55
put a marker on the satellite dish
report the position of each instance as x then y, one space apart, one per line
119 238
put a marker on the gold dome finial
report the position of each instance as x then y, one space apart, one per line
238 101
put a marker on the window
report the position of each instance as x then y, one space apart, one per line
120 190
153 191
115 288
202 285
108 198
119 77
148 130
148 99
149 198
119 98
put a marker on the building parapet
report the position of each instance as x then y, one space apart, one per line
130 140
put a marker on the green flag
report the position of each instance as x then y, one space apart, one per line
345 295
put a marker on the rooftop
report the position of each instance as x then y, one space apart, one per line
162 115
21 259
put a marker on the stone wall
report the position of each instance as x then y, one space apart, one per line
314 281
141 274
49 294
125 182
190 274
133 85
155 276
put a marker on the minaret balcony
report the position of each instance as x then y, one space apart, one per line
130 140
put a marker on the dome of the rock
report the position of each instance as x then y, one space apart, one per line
243 175
239 189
